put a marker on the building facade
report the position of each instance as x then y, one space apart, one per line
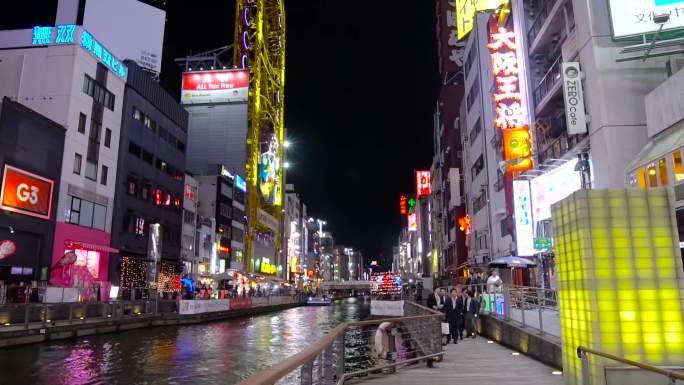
189 233
150 177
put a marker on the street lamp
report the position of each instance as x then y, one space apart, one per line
287 144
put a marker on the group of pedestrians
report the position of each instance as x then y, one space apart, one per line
460 309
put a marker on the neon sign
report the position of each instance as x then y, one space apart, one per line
240 183
44 35
403 205
464 224
96 49
510 114
412 222
423 181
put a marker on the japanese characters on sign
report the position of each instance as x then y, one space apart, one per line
452 51
423 182
510 113
464 19
96 49
44 35
524 228
413 222
635 17
403 205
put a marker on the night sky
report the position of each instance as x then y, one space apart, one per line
361 86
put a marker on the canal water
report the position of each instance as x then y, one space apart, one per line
212 353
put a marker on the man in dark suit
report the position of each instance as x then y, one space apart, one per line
453 310
436 300
471 307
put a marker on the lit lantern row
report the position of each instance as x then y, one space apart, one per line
510 113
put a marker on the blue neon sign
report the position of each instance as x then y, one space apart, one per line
96 49
46 36
240 183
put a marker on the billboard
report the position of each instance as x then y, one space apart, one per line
215 86
129 28
635 17
573 96
465 13
26 193
524 228
552 187
423 182
413 222
451 50
403 205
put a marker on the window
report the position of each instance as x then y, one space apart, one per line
161 165
477 167
475 131
505 226
641 177
172 140
88 85
149 123
163 133
95 129
103 176
145 193
474 93
188 217
181 146
157 197
87 214
238 215
479 202
108 137
499 181
78 158
91 170
470 58
137 115
662 170
226 190
225 211
81 122
147 156
238 234
132 187
134 149
678 168
652 175
98 92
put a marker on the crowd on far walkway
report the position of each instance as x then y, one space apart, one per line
461 305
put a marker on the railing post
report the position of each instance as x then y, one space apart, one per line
340 357
328 365
71 313
320 367
44 313
586 373
507 303
307 373
26 317
521 307
541 317
392 349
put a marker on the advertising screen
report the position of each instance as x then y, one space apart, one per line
553 186
215 86
635 17
26 193
413 222
465 13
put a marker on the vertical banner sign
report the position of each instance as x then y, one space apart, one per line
510 113
574 99
423 181
403 205
413 222
524 228
154 247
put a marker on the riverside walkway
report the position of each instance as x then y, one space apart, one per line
475 362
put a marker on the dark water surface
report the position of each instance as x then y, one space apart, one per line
212 353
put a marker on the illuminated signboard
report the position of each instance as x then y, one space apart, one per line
510 114
524 228
412 222
464 224
403 205
215 86
26 193
267 267
45 35
423 181
269 171
105 57
240 183
465 13
635 17
553 186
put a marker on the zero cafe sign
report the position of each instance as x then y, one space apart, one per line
26 193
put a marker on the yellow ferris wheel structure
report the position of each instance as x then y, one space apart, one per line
260 47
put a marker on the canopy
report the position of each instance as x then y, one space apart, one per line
512 261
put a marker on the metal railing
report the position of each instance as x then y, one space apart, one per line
360 349
550 79
583 352
544 10
533 307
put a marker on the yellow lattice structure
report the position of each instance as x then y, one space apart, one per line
260 47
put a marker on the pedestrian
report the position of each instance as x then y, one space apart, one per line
494 283
435 301
471 307
453 311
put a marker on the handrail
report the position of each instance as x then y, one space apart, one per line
581 353
278 371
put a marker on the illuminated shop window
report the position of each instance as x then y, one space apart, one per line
678 168
662 169
652 175
89 259
641 177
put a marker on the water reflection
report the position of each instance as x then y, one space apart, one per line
213 353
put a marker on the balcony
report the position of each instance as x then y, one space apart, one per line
549 87
558 147
550 24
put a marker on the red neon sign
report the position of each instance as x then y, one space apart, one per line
511 116
26 193
403 205
423 181
464 224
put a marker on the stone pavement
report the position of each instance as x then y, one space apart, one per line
475 362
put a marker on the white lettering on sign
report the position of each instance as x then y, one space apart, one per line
574 104
27 193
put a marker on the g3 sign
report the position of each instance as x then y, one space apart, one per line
26 193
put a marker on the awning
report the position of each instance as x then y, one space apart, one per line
659 146
512 261
89 246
